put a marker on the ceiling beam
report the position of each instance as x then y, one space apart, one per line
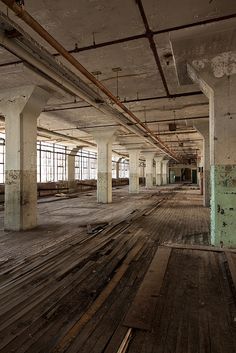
120 112
149 36
137 37
137 100
146 122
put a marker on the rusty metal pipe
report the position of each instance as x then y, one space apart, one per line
32 23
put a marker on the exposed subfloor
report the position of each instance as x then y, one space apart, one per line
68 285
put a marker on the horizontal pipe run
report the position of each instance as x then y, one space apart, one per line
146 122
18 51
31 22
172 96
141 36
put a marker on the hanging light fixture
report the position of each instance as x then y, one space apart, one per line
117 70
172 126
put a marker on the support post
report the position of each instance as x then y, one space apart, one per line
149 169
221 92
71 169
134 171
199 168
203 129
158 161
165 170
118 168
21 108
208 58
104 139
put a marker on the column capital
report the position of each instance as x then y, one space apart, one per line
16 99
75 150
203 128
134 152
195 50
106 134
132 149
148 154
158 159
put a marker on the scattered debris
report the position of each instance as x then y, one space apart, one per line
96 228
61 194
125 343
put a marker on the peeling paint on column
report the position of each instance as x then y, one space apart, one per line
20 199
164 179
224 64
149 180
223 205
104 187
134 183
207 188
158 179
221 65
12 177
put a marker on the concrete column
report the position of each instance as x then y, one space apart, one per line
134 171
221 90
71 169
149 169
199 168
104 139
154 173
165 172
203 129
21 108
118 168
158 161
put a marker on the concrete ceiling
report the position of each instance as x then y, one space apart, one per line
106 35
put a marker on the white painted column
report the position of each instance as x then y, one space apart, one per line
158 161
118 168
71 169
104 139
221 91
199 167
203 129
149 169
21 108
165 171
134 171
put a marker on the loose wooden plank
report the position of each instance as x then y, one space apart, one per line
110 263
140 314
199 247
124 345
44 333
104 332
71 334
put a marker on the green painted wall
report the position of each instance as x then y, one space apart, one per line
223 205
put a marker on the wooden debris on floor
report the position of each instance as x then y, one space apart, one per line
196 309
142 310
74 292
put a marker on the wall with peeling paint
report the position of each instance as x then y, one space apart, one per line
223 205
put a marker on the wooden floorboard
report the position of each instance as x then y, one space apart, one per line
65 289
193 314
140 314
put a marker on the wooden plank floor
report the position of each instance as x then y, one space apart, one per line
196 309
64 290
